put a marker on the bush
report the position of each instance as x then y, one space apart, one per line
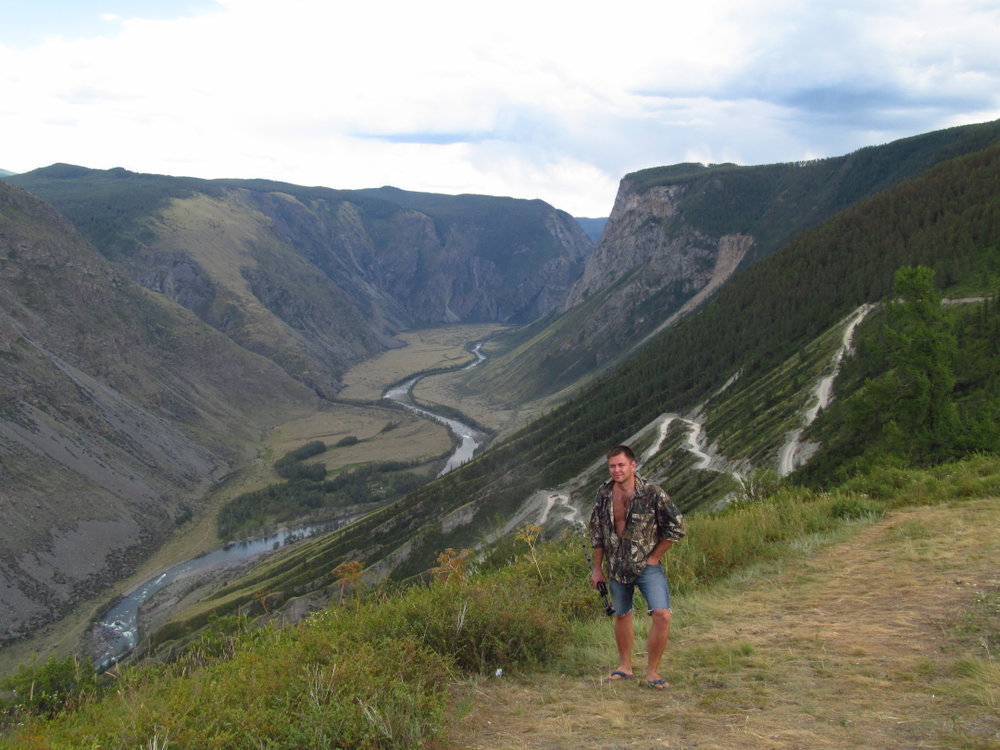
481 625
48 688
310 449
854 507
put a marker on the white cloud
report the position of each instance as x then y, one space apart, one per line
553 100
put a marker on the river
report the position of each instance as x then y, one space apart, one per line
469 437
118 627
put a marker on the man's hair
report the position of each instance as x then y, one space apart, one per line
622 449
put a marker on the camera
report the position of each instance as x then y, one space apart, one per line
602 587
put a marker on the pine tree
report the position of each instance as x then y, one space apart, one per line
921 355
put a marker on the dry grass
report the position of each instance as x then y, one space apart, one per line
411 439
857 645
426 349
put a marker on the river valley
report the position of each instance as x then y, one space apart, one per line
117 632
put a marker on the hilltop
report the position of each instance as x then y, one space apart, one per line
864 617
882 639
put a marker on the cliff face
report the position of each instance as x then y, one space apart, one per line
657 260
472 258
652 264
117 409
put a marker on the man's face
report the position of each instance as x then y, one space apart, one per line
621 468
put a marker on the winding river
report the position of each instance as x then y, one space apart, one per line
469 438
118 627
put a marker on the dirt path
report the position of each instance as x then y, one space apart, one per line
886 640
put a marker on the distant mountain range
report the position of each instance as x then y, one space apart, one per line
592 227
153 327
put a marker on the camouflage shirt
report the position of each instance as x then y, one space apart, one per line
652 516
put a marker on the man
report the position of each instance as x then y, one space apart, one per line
633 524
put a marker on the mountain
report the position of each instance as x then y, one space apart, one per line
678 234
317 279
712 401
257 282
592 227
120 408
154 328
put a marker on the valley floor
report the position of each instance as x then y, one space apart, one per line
889 639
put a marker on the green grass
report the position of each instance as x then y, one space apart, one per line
375 670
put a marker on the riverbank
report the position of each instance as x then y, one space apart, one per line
156 601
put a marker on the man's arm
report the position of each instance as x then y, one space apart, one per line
597 574
658 551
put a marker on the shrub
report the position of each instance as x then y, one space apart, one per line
48 688
854 507
480 624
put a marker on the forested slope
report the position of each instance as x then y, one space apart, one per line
677 234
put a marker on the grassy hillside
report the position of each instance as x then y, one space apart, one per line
748 361
885 638
759 632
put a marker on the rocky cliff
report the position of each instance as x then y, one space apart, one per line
658 260
118 409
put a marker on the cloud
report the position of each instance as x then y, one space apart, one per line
553 100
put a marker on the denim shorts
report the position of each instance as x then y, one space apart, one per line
652 582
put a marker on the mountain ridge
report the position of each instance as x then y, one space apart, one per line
762 320
677 234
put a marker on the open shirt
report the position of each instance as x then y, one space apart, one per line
651 517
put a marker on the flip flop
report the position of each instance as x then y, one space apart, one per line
657 684
617 676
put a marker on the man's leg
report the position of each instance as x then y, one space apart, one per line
653 584
656 644
621 600
624 637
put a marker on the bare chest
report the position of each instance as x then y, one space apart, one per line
620 501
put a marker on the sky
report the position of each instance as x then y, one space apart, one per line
531 99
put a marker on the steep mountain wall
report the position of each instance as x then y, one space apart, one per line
652 251
119 408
